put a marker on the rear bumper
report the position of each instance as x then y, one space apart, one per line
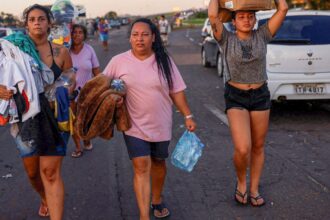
282 86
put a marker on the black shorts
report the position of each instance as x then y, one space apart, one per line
137 147
251 100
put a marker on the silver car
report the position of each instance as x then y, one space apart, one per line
211 53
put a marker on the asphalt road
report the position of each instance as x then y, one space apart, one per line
295 182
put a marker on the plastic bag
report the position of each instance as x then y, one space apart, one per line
60 34
63 11
66 79
187 151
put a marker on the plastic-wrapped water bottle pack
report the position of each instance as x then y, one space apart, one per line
187 151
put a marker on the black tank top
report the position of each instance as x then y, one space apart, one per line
55 68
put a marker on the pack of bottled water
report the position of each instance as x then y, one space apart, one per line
187 151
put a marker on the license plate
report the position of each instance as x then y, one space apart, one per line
310 88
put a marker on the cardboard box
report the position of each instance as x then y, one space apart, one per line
224 15
236 5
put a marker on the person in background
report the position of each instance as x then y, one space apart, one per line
90 28
95 25
246 93
87 66
153 83
155 21
103 29
164 29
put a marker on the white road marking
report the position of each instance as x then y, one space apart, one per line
192 39
313 180
187 33
218 113
222 116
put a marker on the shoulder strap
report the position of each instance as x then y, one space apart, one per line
51 49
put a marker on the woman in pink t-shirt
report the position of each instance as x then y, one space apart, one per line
153 84
85 61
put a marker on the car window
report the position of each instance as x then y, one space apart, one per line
307 29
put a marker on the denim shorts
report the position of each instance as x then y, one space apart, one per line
138 148
251 100
103 37
27 149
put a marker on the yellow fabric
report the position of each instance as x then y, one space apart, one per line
66 126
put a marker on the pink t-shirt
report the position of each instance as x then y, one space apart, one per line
148 96
84 62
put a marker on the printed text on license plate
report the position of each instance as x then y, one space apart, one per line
310 88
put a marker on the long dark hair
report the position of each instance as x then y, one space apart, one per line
163 60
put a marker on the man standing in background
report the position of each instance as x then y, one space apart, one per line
164 29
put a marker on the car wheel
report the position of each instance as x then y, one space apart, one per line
220 65
205 63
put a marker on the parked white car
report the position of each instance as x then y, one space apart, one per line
298 58
206 29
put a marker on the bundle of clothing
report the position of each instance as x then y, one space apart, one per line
98 110
29 112
20 72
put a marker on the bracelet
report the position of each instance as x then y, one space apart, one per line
188 116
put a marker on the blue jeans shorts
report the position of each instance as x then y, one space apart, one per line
138 148
251 100
103 37
29 150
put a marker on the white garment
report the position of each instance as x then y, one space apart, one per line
163 26
11 75
15 58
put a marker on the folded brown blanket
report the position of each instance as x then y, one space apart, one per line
97 112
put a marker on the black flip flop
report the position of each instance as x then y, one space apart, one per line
241 195
160 207
258 197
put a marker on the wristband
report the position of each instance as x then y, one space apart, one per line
188 116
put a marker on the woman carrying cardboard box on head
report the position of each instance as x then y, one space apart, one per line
246 93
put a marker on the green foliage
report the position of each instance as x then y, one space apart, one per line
111 15
312 4
201 14
193 22
8 19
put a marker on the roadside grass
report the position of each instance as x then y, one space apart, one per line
193 22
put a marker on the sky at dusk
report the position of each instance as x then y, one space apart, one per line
100 7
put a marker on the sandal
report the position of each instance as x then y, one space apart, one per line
76 154
43 211
88 147
159 210
241 195
255 201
